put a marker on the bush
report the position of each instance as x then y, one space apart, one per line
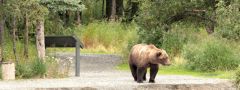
30 69
23 70
229 20
210 55
58 68
38 67
237 78
173 42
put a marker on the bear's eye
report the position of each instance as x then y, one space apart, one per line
159 54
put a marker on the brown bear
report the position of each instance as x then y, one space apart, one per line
143 56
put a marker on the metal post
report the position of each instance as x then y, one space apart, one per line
77 65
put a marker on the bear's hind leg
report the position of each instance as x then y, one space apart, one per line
144 76
134 71
140 74
153 72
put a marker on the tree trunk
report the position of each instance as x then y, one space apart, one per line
113 11
119 8
78 18
211 25
103 4
1 34
2 39
210 28
67 18
40 43
25 53
14 39
108 8
132 8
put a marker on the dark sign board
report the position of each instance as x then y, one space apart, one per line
66 41
61 41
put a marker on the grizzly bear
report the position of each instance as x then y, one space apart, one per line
143 56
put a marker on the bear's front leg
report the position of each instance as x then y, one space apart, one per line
140 74
153 72
134 71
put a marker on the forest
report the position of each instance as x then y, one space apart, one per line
202 37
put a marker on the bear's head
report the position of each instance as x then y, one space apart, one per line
160 56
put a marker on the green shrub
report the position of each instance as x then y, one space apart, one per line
173 42
30 69
38 67
237 78
210 55
23 70
228 20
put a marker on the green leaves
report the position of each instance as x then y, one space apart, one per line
63 5
228 20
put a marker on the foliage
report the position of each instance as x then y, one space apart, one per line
237 78
228 20
30 69
174 40
56 68
156 17
39 67
51 22
63 5
93 12
211 55
108 37
180 70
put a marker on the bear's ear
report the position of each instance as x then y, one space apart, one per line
159 54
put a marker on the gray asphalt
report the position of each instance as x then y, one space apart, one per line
97 72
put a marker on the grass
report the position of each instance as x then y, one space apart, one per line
102 37
82 51
179 70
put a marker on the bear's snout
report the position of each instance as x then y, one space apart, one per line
167 62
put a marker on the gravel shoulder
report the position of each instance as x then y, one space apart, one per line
97 72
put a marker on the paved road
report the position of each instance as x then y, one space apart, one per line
97 72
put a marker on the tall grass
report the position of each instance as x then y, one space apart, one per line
211 54
107 37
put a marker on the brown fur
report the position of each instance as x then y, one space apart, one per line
143 56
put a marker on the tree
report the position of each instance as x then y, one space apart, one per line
41 11
156 16
119 8
2 21
27 12
65 7
15 14
103 4
227 16
78 15
40 43
131 10
111 10
2 37
108 8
